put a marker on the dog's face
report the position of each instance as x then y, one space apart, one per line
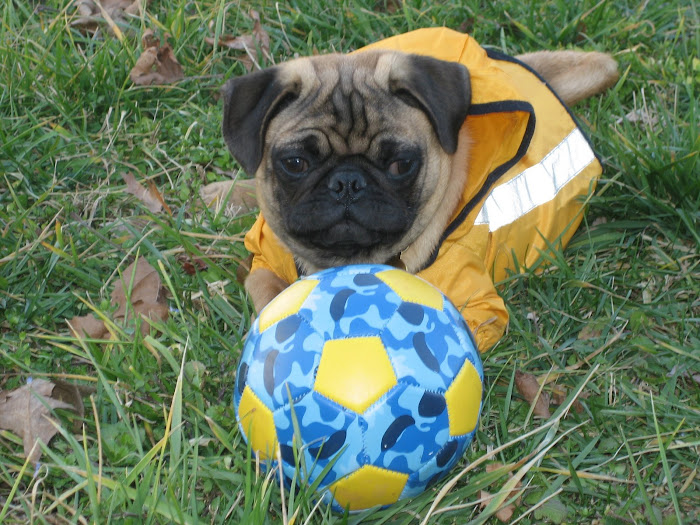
352 153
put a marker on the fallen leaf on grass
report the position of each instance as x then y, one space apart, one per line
150 196
191 265
88 325
528 387
141 296
505 513
390 6
559 394
157 64
258 39
26 411
236 195
92 14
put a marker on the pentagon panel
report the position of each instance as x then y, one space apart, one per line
354 372
368 487
286 303
464 400
412 288
256 423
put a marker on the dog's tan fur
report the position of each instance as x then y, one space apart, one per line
574 75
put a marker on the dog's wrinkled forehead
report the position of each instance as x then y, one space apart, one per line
344 74
345 98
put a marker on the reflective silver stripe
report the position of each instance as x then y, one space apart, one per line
538 184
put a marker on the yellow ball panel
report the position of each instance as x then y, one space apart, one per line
287 303
354 372
412 289
369 486
258 425
464 400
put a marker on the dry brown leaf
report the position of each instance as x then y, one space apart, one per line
88 325
504 514
138 293
26 411
141 283
390 6
113 12
191 265
152 311
158 195
559 394
241 43
150 196
237 195
157 64
250 43
528 387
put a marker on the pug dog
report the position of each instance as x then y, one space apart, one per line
423 151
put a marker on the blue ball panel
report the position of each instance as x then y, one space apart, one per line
282 361
328 433
428 354
403 433
349 303
438 467
465 336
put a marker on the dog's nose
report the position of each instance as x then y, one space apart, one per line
346 184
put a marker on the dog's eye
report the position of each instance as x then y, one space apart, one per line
402 167
295 165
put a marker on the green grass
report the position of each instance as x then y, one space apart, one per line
613 320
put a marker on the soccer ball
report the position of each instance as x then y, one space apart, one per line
367 379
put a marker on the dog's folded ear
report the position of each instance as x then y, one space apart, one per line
250 102
439 88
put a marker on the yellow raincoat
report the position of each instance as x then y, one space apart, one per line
529 171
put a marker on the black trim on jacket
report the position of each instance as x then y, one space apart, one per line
498 55
504 106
